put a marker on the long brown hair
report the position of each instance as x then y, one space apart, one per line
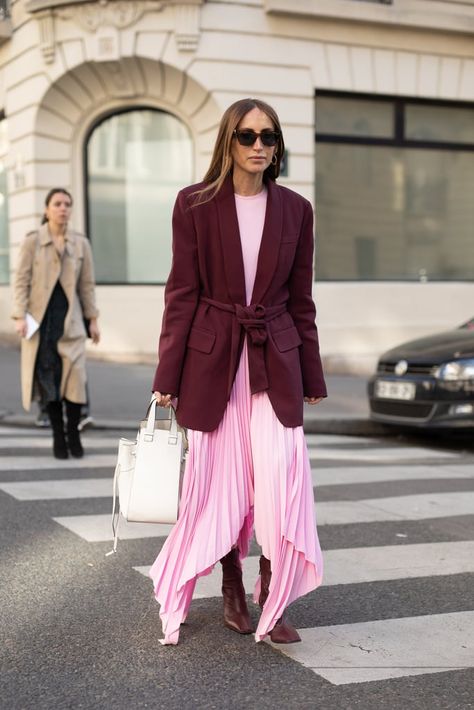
221 162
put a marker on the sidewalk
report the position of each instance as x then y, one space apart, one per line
120 392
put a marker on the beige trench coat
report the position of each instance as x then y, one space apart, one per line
38 270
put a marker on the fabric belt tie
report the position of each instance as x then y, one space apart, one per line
253 319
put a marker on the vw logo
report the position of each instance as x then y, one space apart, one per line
401 367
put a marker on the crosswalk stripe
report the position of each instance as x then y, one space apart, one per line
321 439
344 476
363 565
33 463
23 432
414 507
348 653
102 487
378 454
96 528
60 489
46 443
389 648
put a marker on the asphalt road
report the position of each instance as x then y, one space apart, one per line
392 626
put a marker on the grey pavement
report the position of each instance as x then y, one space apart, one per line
119 394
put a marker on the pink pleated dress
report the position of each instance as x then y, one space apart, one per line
250 471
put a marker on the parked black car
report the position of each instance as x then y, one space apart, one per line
427 382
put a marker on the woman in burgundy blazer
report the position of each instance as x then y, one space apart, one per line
207 319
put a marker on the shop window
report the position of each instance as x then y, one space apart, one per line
136 162
394 204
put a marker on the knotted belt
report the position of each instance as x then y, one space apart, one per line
253 319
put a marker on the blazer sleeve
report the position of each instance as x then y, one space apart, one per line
86 282
181 299
23 275
303 311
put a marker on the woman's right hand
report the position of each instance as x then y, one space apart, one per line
20 327
163 400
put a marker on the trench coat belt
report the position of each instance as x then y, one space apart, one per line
253 319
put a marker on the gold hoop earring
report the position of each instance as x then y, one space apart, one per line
274 159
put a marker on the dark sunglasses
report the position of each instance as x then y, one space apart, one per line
248 137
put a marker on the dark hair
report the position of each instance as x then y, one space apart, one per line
221 161
50 196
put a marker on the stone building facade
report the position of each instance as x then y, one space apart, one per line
119 102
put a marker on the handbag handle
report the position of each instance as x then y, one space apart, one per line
150 425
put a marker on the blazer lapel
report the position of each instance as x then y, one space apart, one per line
270 244
230 241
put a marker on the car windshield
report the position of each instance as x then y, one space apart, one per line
469 325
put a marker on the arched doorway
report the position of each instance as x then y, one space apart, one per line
136 161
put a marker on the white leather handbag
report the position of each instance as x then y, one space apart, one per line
148 473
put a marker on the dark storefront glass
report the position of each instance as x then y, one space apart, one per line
396 207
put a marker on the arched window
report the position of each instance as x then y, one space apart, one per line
136 162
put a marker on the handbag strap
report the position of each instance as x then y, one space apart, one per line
115 513
150 425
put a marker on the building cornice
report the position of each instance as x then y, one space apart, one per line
445 15
107 17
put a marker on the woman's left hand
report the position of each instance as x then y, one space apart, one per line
94 330
313 400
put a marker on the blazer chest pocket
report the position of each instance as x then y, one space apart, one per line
287 339
201 339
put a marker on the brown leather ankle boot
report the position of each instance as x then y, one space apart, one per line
283 631
236 614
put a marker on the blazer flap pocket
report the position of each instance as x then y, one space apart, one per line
289 238
287 339
201 339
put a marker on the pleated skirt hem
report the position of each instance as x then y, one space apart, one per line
250 471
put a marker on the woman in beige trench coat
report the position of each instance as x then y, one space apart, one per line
54 283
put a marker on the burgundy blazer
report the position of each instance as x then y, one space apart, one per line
206 320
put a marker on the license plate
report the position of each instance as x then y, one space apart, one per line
385 389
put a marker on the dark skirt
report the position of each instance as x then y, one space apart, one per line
48 367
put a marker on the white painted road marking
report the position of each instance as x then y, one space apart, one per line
389 455
41 442
96 528
343 476
36 463
57 490
102 487
415 507
363 565
390 648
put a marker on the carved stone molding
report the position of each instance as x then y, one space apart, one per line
112 13
105 18
47 40
186 22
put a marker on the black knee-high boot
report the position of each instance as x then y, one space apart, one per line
55 414
73 415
